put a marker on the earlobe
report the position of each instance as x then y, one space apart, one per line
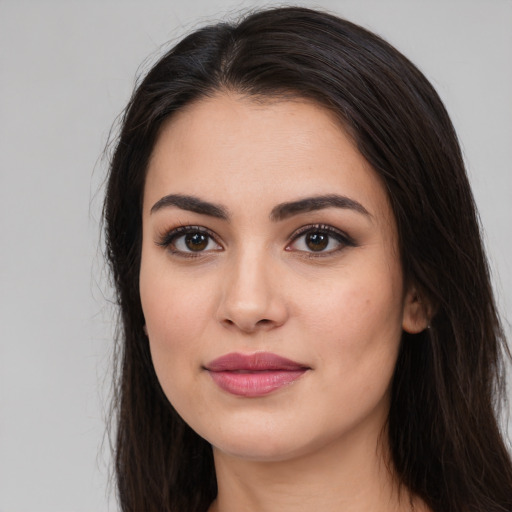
416 315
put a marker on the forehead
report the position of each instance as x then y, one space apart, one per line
245 152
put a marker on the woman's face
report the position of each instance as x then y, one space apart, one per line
270 278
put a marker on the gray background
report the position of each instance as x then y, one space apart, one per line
66 70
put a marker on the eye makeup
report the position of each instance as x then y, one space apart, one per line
319 240
189 241
314 240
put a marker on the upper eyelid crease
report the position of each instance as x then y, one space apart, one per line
323 228
280 212
164 238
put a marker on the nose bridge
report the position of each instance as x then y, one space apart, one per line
251 297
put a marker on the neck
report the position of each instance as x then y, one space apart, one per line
346 475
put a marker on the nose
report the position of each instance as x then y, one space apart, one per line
252 295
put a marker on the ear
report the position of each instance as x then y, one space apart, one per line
416 316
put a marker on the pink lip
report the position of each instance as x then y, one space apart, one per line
255 374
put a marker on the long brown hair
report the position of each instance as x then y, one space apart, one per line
444 438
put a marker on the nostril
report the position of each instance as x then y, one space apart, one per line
248 327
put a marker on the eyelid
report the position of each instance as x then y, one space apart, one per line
343 238
167 238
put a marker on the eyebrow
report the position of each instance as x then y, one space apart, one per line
280 212
309 204
192 204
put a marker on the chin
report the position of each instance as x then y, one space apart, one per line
255 439
261 449
279 437
269 442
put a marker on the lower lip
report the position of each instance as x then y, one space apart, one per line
254 384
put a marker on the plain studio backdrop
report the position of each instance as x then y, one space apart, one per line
67 69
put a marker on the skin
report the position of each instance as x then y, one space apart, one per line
318 443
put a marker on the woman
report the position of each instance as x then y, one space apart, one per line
307 319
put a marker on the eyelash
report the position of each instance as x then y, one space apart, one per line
168 240
342 238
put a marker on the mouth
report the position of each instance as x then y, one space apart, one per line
254 375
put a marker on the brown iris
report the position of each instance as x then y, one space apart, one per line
317 241
196 241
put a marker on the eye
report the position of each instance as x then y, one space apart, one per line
187 240
319 239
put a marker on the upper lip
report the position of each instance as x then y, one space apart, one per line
259 361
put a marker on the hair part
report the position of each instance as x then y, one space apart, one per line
444 438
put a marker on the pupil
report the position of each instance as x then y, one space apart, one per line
317 241
196 241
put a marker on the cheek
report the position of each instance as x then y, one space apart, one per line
173 322
172 299
357 300
177 319
174 313
358 321
168 308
